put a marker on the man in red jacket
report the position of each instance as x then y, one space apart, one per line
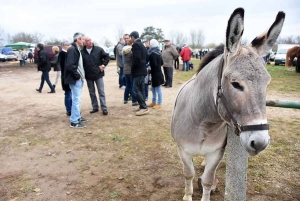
186 57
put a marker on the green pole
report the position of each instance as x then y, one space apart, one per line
283 103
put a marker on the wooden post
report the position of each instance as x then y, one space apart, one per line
236 168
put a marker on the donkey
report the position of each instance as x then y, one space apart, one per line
228 89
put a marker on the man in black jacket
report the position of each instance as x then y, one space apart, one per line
75 76
44 65
139 71
95 59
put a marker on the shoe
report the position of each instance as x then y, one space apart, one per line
104 112
40 91
51 92
168 86
125 102
83 119
158 106
142 112
151 104
135 104
78 125
123 87
94 110
54 86
68 113
136 110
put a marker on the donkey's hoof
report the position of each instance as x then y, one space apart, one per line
187 198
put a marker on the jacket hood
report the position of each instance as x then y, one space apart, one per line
126 49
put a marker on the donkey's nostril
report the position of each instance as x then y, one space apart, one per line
252 144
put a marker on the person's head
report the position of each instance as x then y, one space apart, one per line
167 42
39 47
122 41
153 43
134 35
55 49
126 38
65 45
79 39
88 42
147 43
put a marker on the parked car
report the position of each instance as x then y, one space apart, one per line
12 56
281 54
111 53
3 57
48 49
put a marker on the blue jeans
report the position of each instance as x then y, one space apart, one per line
76 101
146 92
139 90
68 100
129 89
45 77
121 78
156 91
186 66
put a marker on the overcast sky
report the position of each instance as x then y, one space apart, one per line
101 18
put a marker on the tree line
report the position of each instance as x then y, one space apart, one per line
195 38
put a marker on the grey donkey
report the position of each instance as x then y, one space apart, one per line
229 89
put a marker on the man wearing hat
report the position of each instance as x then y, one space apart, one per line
169 54
139 71
75 76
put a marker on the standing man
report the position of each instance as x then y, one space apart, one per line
120 62
169 54
186 57
176 61
139 71
74 76
68 94
95 59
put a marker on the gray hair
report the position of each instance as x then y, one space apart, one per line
65 43
77 35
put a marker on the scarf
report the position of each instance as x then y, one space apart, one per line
155 50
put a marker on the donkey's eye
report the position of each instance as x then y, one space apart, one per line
237 86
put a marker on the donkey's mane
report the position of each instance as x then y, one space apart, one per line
211 55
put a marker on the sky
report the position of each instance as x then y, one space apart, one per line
98 18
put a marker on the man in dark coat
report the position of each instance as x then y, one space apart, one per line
139 71
95 59
75 76
44 65
68 94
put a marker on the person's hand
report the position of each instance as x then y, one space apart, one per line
101 68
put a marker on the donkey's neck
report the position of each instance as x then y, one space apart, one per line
205 88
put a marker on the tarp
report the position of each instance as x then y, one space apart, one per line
19 44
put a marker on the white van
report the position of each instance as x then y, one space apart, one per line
281 53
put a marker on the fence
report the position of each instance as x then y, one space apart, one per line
237 159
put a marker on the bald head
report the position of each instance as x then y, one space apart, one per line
88 42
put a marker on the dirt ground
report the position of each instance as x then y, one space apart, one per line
117 157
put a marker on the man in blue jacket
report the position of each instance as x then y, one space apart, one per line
95 59
75 76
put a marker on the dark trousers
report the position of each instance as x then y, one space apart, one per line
168 71
139 91
68 100
176 63
100 88
121 78
129 89
45 77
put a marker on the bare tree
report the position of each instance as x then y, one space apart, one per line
37 37
287 40
193 39
54 41
180 38
106 42
22 37
120 32
2 35
200 38
8 38
211 45
172 35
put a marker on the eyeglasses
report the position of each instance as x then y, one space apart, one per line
126 38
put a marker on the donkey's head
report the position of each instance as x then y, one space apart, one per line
245 80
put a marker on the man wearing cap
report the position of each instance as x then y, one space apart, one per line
74 76
139 71
169 54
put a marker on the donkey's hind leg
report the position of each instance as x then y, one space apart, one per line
208 178
189 173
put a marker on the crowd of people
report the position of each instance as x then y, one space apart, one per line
23 56
139 63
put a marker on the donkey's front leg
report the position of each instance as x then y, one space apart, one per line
208 178
189 173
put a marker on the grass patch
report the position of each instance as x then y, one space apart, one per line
114 195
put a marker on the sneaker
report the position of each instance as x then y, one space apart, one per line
78 125
158 106
125 102
136 110
68 113
105 112
151 104
142 112
135 104
83 119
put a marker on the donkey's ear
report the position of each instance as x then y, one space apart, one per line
265 41
234 31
